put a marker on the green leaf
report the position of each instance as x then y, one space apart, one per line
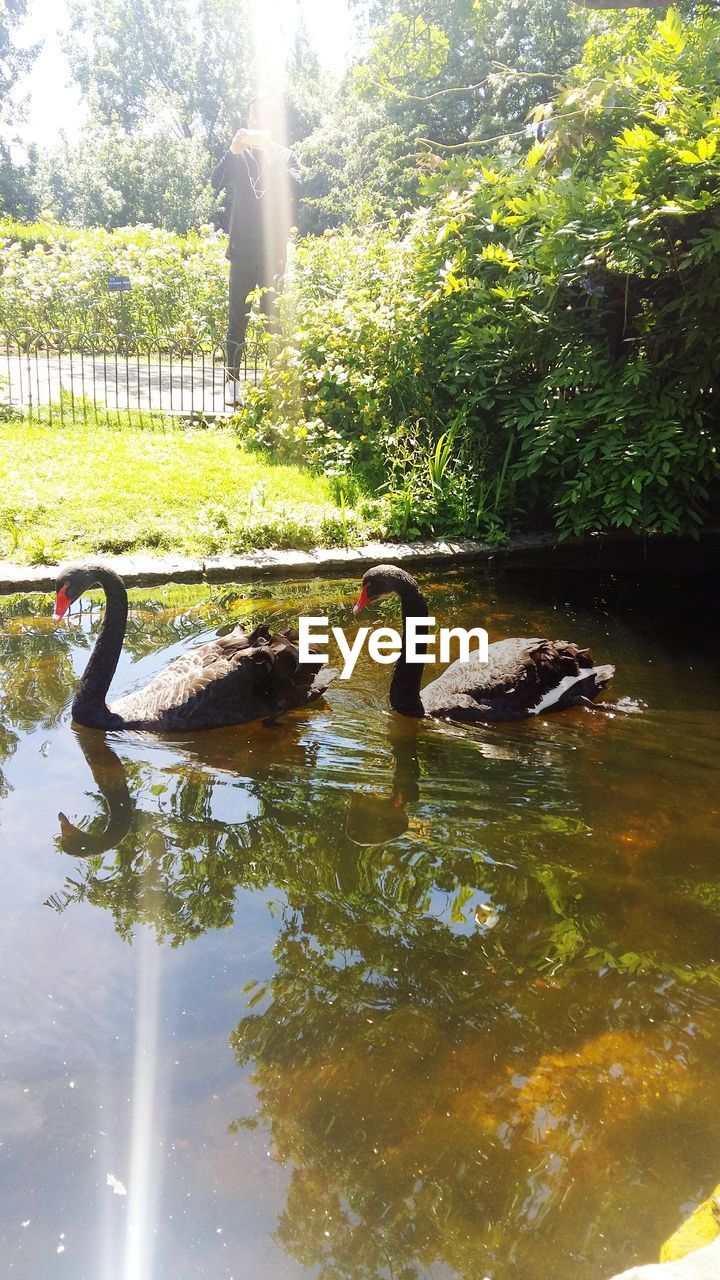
459 903
672 32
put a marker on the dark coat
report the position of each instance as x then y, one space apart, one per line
261 202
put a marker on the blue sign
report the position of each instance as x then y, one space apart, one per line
118 284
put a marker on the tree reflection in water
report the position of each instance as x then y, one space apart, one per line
8 746
439 1080
36 674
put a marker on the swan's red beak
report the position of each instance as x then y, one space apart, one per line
363 599
62 604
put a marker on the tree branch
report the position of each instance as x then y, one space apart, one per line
470 88
624 4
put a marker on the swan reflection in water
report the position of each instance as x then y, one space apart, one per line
224 814
110 777
375 818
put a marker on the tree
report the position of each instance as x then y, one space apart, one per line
355 166
188 64
623 4
14 62
15 179
17 182
553 310
470 68
113 179
443 71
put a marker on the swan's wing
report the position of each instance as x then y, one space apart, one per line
324 677
520 677
233 679
511 666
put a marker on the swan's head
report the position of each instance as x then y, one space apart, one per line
71 583
384 580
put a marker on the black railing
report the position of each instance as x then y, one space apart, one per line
59 377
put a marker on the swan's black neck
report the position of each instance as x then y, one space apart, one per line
405 684
89 705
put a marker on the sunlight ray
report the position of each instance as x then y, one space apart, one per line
273 25
146 1129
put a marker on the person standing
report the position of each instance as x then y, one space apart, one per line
260 178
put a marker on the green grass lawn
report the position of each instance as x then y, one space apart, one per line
84 489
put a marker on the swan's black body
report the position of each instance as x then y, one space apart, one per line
521 677
232 680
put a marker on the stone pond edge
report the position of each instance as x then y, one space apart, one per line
612 551
150 571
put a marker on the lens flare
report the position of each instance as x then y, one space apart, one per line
272 28
147 1127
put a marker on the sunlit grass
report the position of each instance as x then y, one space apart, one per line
81 490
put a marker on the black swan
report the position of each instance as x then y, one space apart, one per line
521 677
233 679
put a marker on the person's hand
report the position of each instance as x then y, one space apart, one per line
239 142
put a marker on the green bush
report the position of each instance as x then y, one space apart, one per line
331 394
54 278
556 314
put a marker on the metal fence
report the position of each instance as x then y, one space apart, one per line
58 377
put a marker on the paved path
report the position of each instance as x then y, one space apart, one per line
143 382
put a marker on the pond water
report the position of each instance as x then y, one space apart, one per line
350 996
